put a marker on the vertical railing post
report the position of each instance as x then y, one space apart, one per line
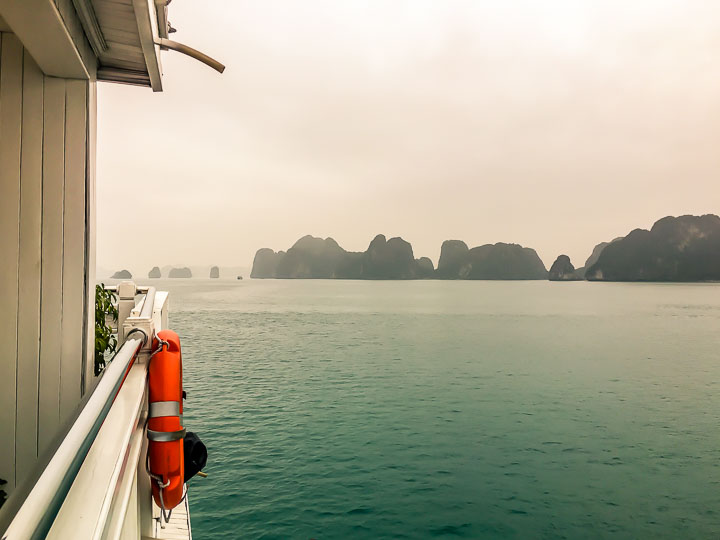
126 292
151 316
144 495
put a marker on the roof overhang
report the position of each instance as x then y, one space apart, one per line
41 29
123 35
147 23
108 40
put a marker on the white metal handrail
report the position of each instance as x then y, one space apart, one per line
37 514
148 304
96 486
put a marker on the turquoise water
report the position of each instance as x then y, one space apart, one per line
341 409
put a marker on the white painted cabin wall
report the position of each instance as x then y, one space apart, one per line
29 278
10 118
47 129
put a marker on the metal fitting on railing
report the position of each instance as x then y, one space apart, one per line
126 292
140 319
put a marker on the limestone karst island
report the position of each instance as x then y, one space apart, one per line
685 248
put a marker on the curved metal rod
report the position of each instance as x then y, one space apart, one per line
193 53
37 513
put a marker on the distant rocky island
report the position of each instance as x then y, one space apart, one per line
317 258
490 261
563 270
594 256
685 248
184 272
121 274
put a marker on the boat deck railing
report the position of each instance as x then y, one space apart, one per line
95 485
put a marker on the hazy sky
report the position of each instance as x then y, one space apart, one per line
555 125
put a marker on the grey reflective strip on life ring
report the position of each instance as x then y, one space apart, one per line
164 408
165 436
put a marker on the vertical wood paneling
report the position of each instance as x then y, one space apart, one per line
51 316
73 302
90 239
11 58
47 201
26 447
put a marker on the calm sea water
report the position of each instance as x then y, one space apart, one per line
341 409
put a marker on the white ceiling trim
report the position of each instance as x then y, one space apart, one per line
40 28
147 27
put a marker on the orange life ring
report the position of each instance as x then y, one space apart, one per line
165 425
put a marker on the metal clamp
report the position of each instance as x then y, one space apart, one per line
164 408
161 485
165 436
162 343
140 330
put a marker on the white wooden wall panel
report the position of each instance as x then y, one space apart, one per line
47 220
51 316
73 342
26 447
90 221
11 57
